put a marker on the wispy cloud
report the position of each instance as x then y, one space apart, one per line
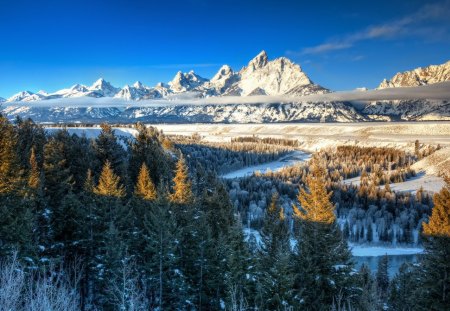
416 24
325 47
438 91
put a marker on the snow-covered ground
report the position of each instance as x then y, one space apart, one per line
373 251
427 182
293 158
314 136
93 132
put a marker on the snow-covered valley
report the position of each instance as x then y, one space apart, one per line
314 137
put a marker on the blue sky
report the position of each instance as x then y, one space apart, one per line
340 44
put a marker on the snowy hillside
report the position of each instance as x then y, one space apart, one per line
419 76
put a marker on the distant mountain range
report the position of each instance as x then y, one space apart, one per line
260 77
419 76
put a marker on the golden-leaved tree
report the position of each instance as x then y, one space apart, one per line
439 222
8 158
323 267
145 188
315 202
109 183
182 189
34 177
434 290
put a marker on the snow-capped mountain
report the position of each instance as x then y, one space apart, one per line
138 92
183 82
419 76
27 96
2 100
104 88
280 76
259 77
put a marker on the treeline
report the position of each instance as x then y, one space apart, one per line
351 161
368 212
227 157
266 140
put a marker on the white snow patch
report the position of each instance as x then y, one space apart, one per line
293 158
373 251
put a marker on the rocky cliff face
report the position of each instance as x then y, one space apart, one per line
419 76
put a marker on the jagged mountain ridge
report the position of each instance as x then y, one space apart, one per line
259 77
419 76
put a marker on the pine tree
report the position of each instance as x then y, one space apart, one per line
145 188
146 148
107 148
276 277
403 288
109 183
434 291
34 179
182 191
382 277
315 204
439 222
57 174
29 136
240 268
8 156
166 279
323 261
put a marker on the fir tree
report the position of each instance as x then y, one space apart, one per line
323 264
439 222
368 299
382 277
34 177
166 279
109 183
182 192
107 148
315 204
8 156
146 148
435 276
403 289
276 278
57 174
145 188
240 268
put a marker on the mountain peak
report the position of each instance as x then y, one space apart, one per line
186 81
138 85
419 76
259 60
224 71
99 84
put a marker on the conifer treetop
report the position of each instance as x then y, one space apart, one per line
182 191
34 176
315 202
109 183
439 222
145 188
